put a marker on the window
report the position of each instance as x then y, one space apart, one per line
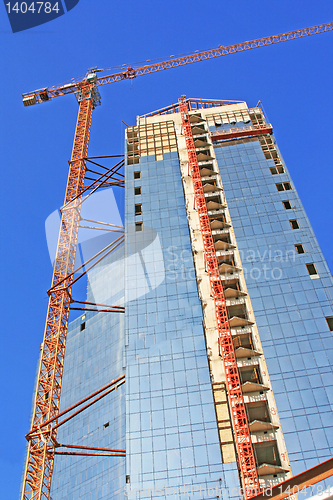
312 269
330 322
250 374
283 186
258 410
299 248
106 425
137 175
243 341
294 224
138 209
137 190
82 326
277 170
267 453
138 226
287 205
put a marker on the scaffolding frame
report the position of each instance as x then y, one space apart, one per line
246 457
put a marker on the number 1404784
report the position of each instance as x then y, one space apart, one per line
32 7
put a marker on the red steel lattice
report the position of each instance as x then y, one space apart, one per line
43 95
40 456
245 453
236 132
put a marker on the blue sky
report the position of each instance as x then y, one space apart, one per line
293 80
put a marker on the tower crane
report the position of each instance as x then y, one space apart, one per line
42 435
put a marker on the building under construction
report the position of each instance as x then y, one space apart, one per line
226 339
200 364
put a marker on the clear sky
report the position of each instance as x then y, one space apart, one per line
293 80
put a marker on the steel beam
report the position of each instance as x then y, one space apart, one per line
295 484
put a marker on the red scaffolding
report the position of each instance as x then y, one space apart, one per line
245 453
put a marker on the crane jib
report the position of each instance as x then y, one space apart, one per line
46 94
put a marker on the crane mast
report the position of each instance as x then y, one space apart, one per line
42 436
40 459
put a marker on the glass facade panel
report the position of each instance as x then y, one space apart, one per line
93 359
166 347
285 299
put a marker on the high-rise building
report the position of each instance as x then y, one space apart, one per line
175 413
